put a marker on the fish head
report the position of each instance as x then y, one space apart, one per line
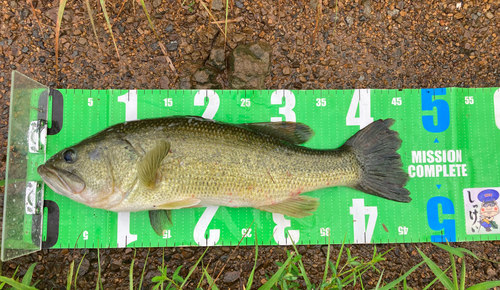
87 173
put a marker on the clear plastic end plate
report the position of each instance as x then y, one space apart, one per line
23 201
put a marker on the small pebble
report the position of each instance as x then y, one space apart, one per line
171 46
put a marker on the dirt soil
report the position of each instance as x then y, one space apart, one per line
379 44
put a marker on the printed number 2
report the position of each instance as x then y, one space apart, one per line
443 110
363 233
361 99
496 105
209 213
213 102
448 225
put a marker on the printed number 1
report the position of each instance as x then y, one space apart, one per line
124 237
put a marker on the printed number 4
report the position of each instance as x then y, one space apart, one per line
361 99
363 233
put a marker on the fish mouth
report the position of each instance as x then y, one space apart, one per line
61 181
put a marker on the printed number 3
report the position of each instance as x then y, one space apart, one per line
279 219
287 110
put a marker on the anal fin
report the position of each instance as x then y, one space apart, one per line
189 202
299 207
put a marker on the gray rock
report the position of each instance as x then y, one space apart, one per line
349 20
171 46
217 5
169 28
367 8
217 58
393 12
206 78
164 82
231 276
239 4
84 268
249 65
156 3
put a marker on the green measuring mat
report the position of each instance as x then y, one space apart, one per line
450 149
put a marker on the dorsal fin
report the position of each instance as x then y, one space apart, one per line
148 167
294 133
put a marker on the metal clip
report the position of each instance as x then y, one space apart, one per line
36 135
32 201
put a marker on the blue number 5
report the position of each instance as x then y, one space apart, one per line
448 225
443 110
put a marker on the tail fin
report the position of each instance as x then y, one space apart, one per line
375 148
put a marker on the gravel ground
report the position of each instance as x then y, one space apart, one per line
369 44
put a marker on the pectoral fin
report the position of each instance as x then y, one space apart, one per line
160 220
189 202
299 207
148 167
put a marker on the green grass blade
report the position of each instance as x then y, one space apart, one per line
2 182
131 275
70 275
326 262
210 280
16 284
270 283
484 285
437 271
192 268
99 266
301 266
89 10
250 278
28 275
451 250
462 277
454 267
78 269
60 12
105 13
144 270
340 253
395 282
436 279
379 280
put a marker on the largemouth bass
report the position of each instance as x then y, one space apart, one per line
181 162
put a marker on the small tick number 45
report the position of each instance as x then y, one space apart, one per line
396 101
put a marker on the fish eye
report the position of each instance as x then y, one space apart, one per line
69 156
